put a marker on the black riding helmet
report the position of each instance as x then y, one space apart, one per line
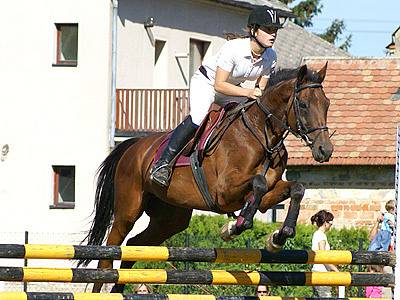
264 16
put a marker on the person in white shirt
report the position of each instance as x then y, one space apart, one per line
324 221
219 77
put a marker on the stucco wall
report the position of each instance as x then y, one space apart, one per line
52 115
135 65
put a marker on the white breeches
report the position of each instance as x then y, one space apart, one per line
202 94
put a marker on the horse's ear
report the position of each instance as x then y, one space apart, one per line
322 72
301 75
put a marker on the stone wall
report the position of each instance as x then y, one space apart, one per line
356 195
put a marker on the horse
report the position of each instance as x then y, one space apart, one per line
243 172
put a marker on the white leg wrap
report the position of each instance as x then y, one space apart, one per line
270 245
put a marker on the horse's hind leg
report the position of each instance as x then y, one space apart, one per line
277 240
128 209
165 221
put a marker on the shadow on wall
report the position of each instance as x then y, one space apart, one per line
343 177
200 17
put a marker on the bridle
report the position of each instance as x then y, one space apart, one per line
301 131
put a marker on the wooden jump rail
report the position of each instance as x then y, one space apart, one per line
89 296
216 255
206 277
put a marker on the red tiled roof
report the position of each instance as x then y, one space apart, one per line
364 111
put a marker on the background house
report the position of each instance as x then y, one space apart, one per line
168 51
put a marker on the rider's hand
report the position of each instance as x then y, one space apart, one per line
257 92
254 93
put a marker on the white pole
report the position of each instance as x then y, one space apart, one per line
113 71
396 294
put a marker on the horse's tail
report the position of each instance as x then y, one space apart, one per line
104 197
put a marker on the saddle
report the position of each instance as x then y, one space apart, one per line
201 139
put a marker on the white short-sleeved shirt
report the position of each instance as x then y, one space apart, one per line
235 57
319 236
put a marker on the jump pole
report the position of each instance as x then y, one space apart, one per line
211 255
206 277
89 296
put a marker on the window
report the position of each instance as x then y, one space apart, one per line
198 50
67 44
64 187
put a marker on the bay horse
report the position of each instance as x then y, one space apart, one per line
250 159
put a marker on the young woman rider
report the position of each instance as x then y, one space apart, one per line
219 79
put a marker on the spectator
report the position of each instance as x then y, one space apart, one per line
382 239
324 221
262 290
386 291
374 291
142 288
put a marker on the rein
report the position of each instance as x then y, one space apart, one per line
302 131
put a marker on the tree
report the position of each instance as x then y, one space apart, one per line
306 10
333 32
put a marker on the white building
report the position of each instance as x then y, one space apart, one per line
55 96
55 117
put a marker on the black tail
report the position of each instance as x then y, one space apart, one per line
104 197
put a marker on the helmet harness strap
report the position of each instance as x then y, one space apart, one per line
253 29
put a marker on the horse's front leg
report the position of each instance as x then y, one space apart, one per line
246 216
282 191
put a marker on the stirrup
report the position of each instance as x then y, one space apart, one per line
164 182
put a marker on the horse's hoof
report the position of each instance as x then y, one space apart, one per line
289 232
270 245
227 231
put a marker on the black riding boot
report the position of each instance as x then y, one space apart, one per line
162 171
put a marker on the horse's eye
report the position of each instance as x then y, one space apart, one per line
302 105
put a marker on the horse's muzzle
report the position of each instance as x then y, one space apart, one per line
322 152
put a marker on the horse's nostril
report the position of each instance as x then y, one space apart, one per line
322 150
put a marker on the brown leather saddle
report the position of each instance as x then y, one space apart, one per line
200 141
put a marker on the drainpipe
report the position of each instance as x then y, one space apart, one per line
113 72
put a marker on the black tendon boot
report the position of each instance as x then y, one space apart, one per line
162 171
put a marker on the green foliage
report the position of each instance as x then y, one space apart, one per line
203 232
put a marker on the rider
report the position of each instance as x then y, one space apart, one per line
219 79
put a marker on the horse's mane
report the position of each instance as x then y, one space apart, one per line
287 74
